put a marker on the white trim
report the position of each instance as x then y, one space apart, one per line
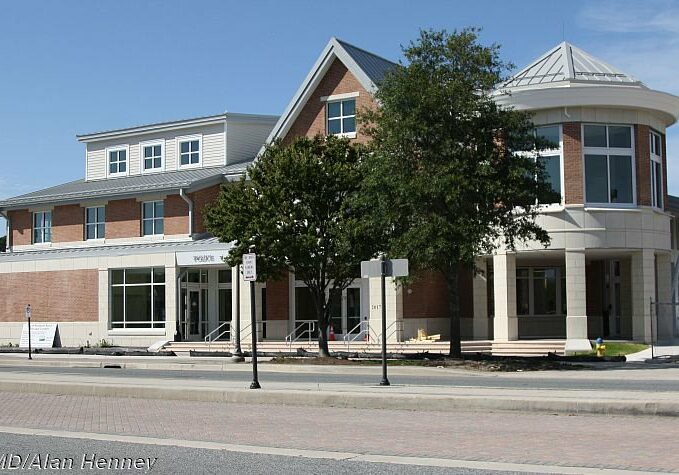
96 224
656 158
153 219
189 138
341 118
339 97
152 143
117 148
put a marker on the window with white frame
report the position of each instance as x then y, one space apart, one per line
117 161
137 298
189 152
152 220
341 117
540 291
42 227
550 159
609 164
95 222
656 170
152 157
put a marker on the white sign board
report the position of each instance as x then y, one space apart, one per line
201 258
394 268
42 335
250 267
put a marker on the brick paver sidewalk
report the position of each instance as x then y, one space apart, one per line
638 443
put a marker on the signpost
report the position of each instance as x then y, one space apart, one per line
250 275
383 269
28 312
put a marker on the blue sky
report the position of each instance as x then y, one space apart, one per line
82 66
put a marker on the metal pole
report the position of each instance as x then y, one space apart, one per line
237 351
253 327
385 381
30 357
656 310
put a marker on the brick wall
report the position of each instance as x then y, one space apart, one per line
643 162
123 219
22 227
59 296
277 299
666 199
202 198
68 223
573 165
337 80
176 215
427 296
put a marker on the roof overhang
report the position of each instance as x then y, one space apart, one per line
665 105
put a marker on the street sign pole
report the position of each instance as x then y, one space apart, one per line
28 316
250 274
385 381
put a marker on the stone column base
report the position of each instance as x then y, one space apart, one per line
577 344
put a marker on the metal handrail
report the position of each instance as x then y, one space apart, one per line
398 326
311 328
208 338
364 326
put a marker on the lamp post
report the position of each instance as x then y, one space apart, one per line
383 275
28 317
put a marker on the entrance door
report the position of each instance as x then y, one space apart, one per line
195 311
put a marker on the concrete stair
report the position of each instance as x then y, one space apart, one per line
528 347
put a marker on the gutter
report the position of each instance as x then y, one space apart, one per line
190 203
5 215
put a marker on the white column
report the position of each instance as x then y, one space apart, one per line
665 324
505 323
576 302
643 290
394 299
480 295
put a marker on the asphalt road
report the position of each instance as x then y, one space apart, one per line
489 380
86 453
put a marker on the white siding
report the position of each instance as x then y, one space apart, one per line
213 152
244 140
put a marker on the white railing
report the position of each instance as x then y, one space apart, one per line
308 328
395 327
209 338
364 333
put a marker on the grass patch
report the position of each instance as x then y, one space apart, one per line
620 348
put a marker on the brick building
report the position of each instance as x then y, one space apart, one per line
123 255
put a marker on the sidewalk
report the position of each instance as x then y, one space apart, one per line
344 394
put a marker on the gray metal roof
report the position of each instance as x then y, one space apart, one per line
374 66
566 62
79 190
206 244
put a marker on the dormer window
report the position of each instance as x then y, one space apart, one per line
117 161
341 117
189 151
152 157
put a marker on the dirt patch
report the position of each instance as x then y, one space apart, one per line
472 363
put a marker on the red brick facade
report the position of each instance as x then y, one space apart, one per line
666 198
642 154
22 227
59 296
201 199
123 219
427 296
68 223
277 299
573 163
337 80
176 215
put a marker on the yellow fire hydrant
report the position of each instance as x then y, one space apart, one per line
600 348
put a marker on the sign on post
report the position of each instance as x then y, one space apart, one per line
250 267
394 268
42 334
28 312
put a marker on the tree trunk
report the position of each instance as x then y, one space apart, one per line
323 350
454 313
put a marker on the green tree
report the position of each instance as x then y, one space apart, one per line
3 243
445 177
295 207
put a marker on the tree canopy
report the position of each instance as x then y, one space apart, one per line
298 207
446 175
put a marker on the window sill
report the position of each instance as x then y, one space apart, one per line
190 166
611 207
137 332
117 175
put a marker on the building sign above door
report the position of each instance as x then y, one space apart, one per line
202 258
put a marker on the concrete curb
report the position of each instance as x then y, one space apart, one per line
356 400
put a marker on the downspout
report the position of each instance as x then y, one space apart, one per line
190 203
5 215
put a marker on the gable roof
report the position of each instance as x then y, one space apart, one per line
131 186
368 68
567 62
